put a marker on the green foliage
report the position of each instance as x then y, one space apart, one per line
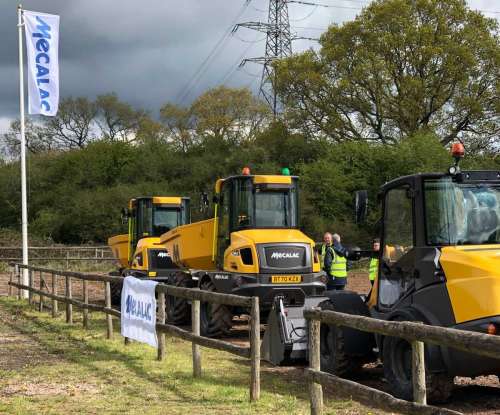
399 68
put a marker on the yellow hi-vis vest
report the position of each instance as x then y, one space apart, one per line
322 256
373 269
339 266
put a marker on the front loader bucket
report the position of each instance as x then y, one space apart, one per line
285 338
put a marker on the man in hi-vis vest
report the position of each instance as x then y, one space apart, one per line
373 272
333 257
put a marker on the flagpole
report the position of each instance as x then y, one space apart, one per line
24 204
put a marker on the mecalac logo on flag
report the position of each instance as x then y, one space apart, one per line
42 44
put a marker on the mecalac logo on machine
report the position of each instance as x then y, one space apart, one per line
285 255
163 254
138 308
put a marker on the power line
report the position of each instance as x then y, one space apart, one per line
198 74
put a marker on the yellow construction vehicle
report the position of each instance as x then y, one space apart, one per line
251 246
139 251
440 265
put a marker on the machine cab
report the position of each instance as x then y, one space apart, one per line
424 215
254 202
152 216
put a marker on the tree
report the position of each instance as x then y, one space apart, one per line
401 67
117 120
37 139
72 126
229 114
180 125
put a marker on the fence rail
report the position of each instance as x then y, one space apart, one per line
195 295
416 333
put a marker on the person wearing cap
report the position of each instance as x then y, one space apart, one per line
373 270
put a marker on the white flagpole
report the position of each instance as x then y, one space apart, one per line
24 204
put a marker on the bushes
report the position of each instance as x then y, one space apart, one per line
76 196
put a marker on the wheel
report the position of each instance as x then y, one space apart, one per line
397 358
178 309
334 358
216 320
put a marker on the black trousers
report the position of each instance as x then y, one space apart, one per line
336 284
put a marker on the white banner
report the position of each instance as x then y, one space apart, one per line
138 308
42 44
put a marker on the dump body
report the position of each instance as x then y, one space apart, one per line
192 245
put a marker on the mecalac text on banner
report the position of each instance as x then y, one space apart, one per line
42 44
138 310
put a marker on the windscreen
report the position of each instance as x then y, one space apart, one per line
165 219
462 213
260 207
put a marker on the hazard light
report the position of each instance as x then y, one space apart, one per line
457 150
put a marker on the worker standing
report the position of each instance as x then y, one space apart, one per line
334 262
327 242
374 261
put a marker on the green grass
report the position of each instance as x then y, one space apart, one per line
79 371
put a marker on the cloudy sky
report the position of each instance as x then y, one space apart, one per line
147 51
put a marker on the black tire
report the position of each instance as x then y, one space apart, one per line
398 373
177 309
216 320
334 358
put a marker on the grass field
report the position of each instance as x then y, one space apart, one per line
48 367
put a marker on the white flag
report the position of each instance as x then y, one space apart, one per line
42 44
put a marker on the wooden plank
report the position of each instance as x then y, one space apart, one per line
203 341
85 310
74 302
205 296
315 389
468 341
69 305
109 319
195 328
161 320
373 397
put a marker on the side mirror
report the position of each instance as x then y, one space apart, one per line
204 203
124 216
361 206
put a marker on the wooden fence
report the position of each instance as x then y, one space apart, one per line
196 296
66 254
415 333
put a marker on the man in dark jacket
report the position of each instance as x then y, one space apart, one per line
335 264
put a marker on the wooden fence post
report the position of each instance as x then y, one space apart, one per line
161 319
67 260
255 350
11 280
195 328
69 306
54 292
19 291
418 372
109 318
30 284
40 303
86 302
315 389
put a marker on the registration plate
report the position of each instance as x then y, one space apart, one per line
286 279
